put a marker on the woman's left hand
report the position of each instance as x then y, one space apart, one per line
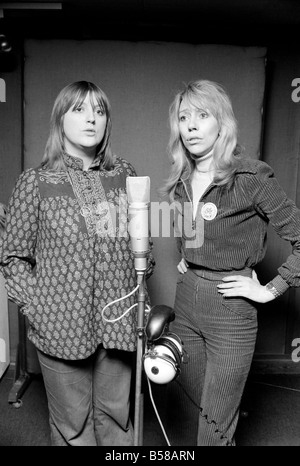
237 285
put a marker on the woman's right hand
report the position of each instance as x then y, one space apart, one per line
182 266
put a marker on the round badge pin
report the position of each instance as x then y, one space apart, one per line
209 211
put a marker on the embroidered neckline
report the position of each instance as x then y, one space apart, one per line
77 163
94 206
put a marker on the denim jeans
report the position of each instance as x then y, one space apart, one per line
89 400
219 336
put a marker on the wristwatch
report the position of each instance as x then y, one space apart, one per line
274 291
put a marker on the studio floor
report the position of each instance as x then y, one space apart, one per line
271 413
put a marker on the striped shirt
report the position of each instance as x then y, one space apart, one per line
230 229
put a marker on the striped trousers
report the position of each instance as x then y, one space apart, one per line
219 336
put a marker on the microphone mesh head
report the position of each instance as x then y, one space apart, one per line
138 189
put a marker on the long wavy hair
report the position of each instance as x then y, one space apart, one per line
73 95
203 94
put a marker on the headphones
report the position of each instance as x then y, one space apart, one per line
163 358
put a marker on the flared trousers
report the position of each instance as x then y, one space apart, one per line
89 400
219 336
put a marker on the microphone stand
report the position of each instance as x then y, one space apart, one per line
138 190
139 398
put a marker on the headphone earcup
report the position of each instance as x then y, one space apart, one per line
169 343
163 359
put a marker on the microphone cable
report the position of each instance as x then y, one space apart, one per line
128 310
156 412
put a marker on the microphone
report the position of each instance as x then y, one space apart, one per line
138 193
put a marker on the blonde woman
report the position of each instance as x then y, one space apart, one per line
224 204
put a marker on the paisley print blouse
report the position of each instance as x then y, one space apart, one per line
66 255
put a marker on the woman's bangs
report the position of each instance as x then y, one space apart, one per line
72 100
97 100
201 102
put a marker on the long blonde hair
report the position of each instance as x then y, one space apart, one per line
209 95
72 96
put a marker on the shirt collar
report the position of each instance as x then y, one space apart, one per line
75 162
247 166
244 166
